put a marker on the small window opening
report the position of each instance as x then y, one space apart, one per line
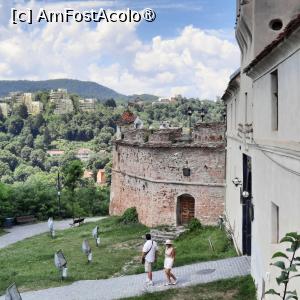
276 24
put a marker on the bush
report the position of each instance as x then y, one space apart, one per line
194 224
130 216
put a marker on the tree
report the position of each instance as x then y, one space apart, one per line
3 137
3 126
67 158
15 125
22 172
47 138
7 179
9 158
6 206
72 173
14 147
51 162
110 103
288 265
39 142
108 168
25 153
29 140
4 169
36 123
22 111
37 158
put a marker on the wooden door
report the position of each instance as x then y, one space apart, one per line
186 209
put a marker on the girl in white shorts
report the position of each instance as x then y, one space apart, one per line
169 261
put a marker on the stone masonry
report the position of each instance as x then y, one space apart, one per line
148 173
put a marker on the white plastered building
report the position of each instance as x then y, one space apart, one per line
263 135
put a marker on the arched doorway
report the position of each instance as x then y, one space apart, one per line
185 209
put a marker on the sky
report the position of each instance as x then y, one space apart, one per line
189 49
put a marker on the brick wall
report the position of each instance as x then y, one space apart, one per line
149 176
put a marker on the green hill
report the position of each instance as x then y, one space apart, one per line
85 89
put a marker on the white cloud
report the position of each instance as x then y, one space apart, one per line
195 63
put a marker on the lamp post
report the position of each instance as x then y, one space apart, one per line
224 114
245 197
189 113
202 114
58 193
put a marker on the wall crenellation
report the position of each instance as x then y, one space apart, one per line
203 134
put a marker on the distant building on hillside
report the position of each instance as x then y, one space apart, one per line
88 174
63 106
55 153
17 98
87 105
101 179
58 94
84 154
62 101
5 109
162 101
35 108
136 103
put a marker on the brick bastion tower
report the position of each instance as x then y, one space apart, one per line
170 177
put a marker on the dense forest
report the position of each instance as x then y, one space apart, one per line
29 175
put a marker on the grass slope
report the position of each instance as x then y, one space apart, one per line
194 247
29 263
241 288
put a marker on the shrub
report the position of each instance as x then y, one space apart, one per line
130 216
288 264
194 224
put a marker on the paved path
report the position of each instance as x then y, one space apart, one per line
19 233
128 286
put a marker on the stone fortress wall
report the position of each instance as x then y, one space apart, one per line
148 173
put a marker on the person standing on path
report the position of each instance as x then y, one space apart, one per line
149 256
170 254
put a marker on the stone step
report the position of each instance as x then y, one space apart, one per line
168 233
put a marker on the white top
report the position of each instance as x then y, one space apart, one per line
150 257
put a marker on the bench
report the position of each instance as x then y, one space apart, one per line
78 221
25 219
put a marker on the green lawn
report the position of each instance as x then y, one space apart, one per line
241 288
2 231
29 263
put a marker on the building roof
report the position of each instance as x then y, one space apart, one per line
232 85
55 152
127 118
84 151
88 174
289 29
